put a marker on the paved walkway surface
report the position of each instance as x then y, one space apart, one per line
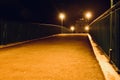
62 57
109 71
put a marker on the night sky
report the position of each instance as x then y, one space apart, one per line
46 11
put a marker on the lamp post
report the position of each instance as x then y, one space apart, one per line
88 15
62 17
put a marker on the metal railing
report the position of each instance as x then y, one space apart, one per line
105 31
12 32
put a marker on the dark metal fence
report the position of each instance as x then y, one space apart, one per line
12 32
105 31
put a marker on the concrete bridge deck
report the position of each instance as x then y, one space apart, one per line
61 57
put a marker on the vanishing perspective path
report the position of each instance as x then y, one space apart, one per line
60 57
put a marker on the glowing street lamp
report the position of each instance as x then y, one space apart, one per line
88 15
87 28
72 28
62 17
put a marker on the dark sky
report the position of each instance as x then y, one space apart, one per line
46 11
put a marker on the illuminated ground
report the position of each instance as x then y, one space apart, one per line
63 57
108 70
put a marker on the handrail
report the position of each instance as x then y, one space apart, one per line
59 26
107 12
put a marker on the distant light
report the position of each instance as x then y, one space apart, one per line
61 16
72 28
87 28
88 15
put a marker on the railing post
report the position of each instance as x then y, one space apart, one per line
111 3
110 49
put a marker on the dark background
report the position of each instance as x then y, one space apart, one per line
46 11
